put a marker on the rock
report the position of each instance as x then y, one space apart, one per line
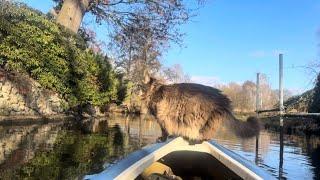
14 99
15 107
98 111
13 91
5 95
6 88
4 112
31 100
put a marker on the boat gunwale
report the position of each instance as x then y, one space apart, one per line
134 164
114 171
237 160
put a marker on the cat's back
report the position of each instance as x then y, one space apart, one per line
191 92
189 97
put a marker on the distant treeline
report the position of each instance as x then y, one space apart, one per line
243 96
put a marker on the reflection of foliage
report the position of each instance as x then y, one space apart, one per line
73 155
118 139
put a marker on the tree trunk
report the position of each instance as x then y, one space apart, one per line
146 76
71 14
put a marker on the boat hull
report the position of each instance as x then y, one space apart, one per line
134 164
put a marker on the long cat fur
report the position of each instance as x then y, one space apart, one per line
195 111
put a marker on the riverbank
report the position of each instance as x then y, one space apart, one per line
33 119
41 119
293 125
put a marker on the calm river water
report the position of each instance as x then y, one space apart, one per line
68 150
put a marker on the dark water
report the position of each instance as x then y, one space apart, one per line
68 150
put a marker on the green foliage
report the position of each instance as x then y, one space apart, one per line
59 60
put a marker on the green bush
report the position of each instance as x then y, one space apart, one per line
32 43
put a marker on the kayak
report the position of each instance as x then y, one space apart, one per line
178 159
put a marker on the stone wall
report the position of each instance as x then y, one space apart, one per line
21 95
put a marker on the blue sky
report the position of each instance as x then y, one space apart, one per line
233 40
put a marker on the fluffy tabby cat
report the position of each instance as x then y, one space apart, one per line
194 111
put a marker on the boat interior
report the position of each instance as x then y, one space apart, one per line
189 165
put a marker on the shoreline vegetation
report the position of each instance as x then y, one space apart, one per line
38 58
292 125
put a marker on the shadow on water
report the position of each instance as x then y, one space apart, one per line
256 159
281 154
314 154
69 149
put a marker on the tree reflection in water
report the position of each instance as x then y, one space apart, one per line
69 150
76 149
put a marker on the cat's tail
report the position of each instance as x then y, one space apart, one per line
244 129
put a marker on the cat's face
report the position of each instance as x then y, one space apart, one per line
150 87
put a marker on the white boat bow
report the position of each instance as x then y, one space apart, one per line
135 163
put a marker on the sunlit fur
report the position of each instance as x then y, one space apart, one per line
195 111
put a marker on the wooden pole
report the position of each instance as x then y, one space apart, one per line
281 108
258 94
140 132
281 89
257 113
